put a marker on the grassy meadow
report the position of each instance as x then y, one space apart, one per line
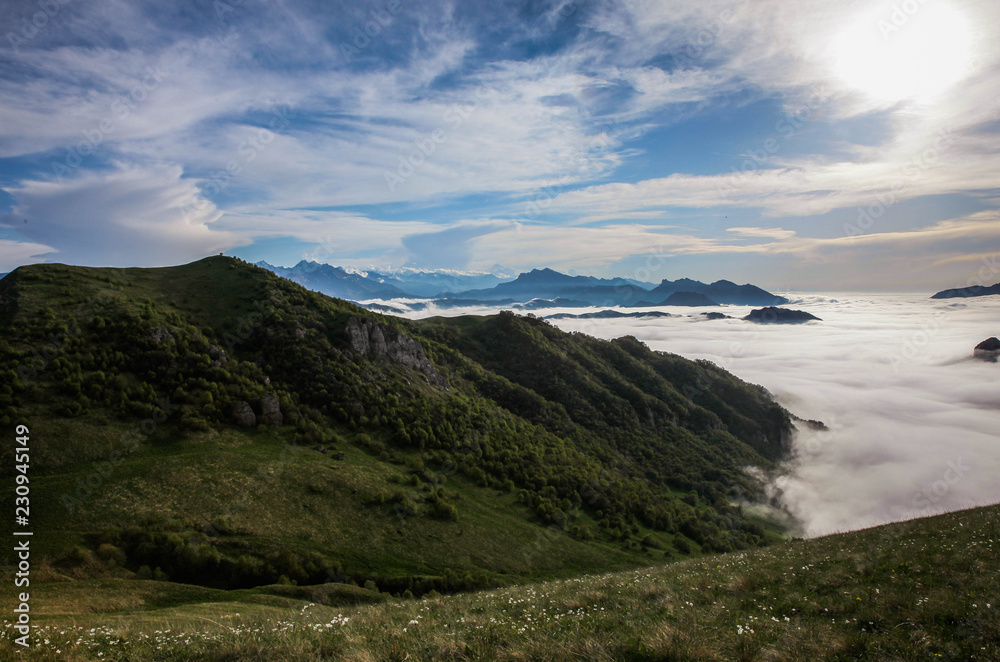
921 590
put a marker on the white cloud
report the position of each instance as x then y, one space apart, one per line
140 216
912 417
15 253
767 233
938 167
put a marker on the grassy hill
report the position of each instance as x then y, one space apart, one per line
920 590
213 424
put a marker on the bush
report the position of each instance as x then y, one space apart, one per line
444 510
79 556
111 554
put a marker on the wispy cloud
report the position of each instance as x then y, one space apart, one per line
448 112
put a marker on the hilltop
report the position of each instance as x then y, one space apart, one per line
215 424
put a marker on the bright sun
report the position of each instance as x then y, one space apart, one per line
891 55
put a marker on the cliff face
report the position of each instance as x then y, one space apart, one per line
375 340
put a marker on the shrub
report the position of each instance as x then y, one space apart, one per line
111 554
443 510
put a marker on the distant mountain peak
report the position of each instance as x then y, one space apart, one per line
545 273
721 291
971 291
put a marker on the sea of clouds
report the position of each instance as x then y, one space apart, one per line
913 420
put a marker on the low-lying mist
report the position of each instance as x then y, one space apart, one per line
913 421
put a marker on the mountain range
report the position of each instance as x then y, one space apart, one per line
337 282
536 289
550 284
431 283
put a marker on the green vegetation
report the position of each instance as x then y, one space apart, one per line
216 425
920 590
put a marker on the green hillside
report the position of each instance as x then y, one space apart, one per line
216 425
920 590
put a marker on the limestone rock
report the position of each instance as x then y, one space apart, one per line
243 414
374 340
270 409
218 356
161 336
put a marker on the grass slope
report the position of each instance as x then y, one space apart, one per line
920 590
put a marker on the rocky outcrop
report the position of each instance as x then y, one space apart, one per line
218 356
160 336
988 350
374 340
243 414
270 410
773 315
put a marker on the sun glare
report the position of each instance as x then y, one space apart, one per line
901 51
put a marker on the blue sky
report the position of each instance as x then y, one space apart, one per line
799 145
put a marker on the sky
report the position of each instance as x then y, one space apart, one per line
800 145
